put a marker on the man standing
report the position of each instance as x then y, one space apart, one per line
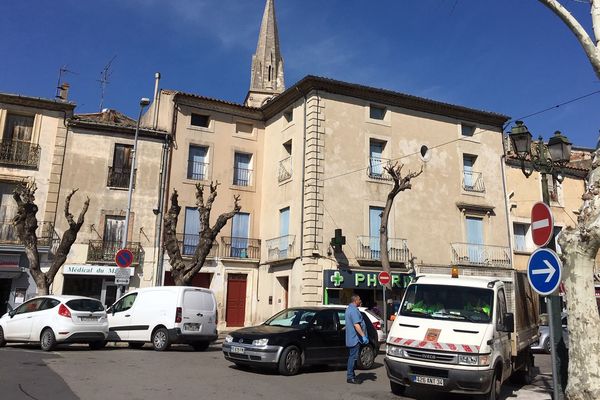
356 334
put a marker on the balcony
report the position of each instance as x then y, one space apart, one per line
473 182
240 248
103 251
376 170
281 248
188 243
285 169
197 170
369 251
45 234
20 153
242 177
119 178
480 255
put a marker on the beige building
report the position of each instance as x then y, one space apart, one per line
32 149
98 161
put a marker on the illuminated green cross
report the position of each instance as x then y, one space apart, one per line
336 278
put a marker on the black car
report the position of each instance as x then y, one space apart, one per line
296 337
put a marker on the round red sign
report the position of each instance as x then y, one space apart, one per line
124 258
542 224
384 278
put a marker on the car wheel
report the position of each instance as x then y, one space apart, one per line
366 357
100 344
290 361
397 388
2 341
548 346
160 339
494 393
200 346
47 340
526 374
135 345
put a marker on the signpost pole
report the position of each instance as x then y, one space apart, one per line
384 312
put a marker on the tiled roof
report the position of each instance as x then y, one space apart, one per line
107 117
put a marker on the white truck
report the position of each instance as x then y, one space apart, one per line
463 330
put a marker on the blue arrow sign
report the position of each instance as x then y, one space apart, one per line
544 271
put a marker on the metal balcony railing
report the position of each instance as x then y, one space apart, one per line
376 170
20 153
8 233
281 248
473 182
242 177
119 177
103 251
285 169
197 170
188 243
479 254
239 247
369 249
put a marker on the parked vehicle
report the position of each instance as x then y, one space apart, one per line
164 315
376 320
51 320
543 343
463 332
296 337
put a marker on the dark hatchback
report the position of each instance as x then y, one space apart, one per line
297 337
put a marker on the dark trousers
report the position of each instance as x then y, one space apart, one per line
352 358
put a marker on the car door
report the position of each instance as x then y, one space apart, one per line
322 337
340 348
43 317
119 318
19 326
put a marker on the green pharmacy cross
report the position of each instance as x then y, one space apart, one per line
336 278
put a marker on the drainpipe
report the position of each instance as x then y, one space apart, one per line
160 211
506 205
303 177
156 101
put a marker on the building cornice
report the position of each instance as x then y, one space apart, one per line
36 102
115 129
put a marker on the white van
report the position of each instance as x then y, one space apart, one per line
164 315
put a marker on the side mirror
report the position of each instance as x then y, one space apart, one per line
11 313
110 310
509 322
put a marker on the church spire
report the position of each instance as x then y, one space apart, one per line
267 64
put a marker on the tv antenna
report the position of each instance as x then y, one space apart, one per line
104 75
62 71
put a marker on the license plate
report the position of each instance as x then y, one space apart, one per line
428 380
239 350
88 319
191 327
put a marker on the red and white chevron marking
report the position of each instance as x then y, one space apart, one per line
424 344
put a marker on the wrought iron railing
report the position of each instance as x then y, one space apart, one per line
242 177
369 249
104 251
8 233
376 169
119 177
479 254
281 248
188 243
21 153
197 170
285 169
239 247
473 182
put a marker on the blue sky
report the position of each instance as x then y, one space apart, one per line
511 56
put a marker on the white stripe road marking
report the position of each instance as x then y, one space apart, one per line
543 223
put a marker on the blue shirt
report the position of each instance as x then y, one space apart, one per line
353 316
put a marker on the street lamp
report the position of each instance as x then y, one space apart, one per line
144 102
547 159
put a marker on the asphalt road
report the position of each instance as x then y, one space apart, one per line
74 372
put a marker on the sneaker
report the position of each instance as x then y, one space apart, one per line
353 381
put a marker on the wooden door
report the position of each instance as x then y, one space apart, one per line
283 281
236 300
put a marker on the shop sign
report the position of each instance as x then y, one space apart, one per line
360 279
83 269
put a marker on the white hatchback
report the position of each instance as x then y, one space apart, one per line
51 320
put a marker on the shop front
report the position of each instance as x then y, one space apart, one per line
96 281
16 286
340 285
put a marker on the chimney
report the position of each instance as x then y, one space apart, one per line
63 92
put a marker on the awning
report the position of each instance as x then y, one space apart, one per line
10 263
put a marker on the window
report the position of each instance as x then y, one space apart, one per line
554 190
468 178
16 141
376 161
474 227
30 306
520 234
284 231
125 303
243 128
285 165
200 120
288 115
8 209
197 163
191 228
18 128
240 228
119 173
500 310
242 173
374 226
557 230
325 321
377 112
114 228
467 130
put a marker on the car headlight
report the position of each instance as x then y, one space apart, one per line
484 359
394 351
468 359
228 339
260 342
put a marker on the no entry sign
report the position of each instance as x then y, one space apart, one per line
542 224
384 278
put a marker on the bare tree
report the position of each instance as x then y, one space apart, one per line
580 245
181 272
400 184
26 225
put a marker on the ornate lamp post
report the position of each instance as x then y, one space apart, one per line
549 159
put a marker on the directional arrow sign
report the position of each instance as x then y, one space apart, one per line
544 271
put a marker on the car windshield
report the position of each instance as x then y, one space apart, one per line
293 318
448 302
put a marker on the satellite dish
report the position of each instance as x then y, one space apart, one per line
425 153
